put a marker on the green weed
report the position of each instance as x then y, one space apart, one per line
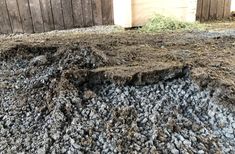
161 23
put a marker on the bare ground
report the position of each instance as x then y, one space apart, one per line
134 58
51 83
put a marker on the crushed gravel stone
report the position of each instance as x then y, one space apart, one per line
169 117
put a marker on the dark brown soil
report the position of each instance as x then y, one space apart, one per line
130 58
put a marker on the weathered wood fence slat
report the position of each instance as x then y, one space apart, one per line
213 9
15 18
30 16
5 23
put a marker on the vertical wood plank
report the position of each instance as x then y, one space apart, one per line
36 13
5 21
107 11
47 15
111 13
1 19
213 9
199 10
57 14
87 12
227 8
220 9
14 16
25 16
77 13
97 12
1 23
205 10
67 13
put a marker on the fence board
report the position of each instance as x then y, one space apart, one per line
87 12
107 11
44 15
220 9
5 21
213 9
227 8
57 14
47 15
205 10
77 13
25 16
36 15
97 12
199 10
1 18
14 16
67 13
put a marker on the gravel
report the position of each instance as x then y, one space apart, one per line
87 30
168 117
42 111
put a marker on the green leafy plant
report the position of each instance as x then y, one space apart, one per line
161 23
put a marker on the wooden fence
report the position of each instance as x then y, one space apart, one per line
30 16
213 9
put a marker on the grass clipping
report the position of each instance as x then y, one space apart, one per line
161 23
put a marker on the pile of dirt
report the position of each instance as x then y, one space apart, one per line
50 86
209 55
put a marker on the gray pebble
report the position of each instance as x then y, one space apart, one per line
39 60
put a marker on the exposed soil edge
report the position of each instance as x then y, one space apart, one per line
121 75
144 75
139 75
224 90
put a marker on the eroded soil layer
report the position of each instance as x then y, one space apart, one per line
117 93
210 56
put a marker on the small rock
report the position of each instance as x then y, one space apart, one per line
56 136
233 125
228 130
175 151
229 135
187 143
200 152
41 150
39 60
88 94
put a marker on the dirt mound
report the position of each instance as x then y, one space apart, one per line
81 94
209 55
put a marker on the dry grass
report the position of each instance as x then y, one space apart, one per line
161 23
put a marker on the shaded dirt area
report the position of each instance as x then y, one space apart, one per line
128 58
